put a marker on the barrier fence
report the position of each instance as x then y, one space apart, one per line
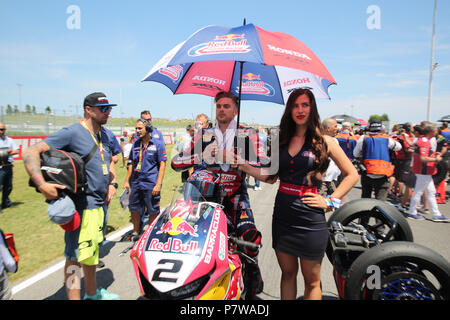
23 142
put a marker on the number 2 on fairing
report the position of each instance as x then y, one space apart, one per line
176 267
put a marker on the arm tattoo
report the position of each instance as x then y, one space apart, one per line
32 162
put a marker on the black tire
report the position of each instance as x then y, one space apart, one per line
361 208
408 271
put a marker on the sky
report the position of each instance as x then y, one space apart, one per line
378 51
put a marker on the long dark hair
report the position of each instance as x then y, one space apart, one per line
313 132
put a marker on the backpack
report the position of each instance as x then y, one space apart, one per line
9 241
65 168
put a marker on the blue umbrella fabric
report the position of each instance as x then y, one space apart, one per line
210 61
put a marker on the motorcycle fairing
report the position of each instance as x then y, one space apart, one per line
170 257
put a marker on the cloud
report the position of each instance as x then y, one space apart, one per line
405 84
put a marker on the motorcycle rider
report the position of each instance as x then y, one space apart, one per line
212 149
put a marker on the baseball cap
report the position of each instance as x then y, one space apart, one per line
62 211
375 125
97 99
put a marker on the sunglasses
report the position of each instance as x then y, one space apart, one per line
2 129
105 109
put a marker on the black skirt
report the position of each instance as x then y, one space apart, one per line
298 229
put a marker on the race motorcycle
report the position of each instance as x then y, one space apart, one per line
374 258
189 251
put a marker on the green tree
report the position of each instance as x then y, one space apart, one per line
28 109
16 109
383 117
9 109
48 109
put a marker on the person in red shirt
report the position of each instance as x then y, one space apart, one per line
424 166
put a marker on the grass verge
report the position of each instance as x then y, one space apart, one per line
40 242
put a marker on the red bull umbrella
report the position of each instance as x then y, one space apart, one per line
248 61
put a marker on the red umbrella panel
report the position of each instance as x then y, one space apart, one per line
274 64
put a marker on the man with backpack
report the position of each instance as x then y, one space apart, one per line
85 138
374 151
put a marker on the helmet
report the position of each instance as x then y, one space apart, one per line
203 185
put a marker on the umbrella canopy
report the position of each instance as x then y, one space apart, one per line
445 118
363 122
340 118
248 61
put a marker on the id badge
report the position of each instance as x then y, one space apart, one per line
105 169
138 167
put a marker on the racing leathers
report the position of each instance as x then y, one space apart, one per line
202 154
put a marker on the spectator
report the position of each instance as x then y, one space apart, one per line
374 151
329 180
144 177
263 143
346 139
6 165
115 150
127 149
403 158
7 265
405 175
156 134
202 121
82 247
424 166
124 141
445 130
184 141
441 168
182 144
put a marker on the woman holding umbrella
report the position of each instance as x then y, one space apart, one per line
299 227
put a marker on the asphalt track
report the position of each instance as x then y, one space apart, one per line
118 275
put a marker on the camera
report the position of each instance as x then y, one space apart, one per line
359 166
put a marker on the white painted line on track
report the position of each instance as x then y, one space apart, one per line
59 265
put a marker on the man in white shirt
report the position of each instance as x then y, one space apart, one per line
213 149
330 178
7 149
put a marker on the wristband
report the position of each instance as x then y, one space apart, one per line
333 202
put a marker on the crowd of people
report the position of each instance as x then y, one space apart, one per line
318 166
407 166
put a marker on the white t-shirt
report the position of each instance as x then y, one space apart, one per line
333 171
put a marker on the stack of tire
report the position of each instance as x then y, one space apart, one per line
405 270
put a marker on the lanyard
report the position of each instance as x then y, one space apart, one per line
99 145
141 155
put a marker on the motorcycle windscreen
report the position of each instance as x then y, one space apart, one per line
184 243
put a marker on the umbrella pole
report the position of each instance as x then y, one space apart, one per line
240 87
239 95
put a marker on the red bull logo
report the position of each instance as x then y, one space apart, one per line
174 245
229 43
173 72
253 84
177 225
229 37
251 76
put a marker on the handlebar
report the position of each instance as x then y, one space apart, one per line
244 243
